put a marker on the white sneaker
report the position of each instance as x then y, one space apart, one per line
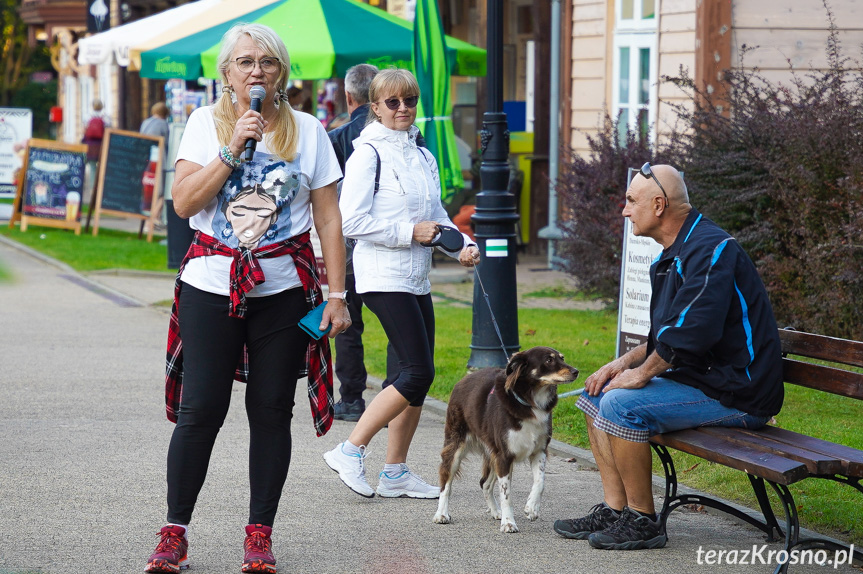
405 483
351 469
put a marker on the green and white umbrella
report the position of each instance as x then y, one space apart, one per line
434 116
324 38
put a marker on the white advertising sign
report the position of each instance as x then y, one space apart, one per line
633 318
16 127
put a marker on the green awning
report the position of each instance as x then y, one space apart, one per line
324 38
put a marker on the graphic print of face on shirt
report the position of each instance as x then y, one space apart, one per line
256 201
251 213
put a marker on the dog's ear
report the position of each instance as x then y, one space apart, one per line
514 361
513 369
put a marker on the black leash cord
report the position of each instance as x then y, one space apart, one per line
493 320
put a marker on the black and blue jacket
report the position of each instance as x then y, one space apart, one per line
712 321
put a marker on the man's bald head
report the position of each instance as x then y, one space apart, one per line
647 209
671 182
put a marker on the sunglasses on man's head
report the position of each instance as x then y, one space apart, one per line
648 174
394 103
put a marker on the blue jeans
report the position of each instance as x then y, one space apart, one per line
660 406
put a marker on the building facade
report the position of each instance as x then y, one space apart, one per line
621 50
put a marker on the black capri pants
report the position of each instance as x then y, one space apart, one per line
212 346
408 321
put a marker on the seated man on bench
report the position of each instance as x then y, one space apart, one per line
712 358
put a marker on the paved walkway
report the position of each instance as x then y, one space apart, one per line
83 439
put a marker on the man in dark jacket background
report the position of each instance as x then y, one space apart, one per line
712 358
357 82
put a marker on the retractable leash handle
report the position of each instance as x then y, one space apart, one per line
449 238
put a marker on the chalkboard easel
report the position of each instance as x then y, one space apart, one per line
130 178
50 186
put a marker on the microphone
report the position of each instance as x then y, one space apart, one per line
257 94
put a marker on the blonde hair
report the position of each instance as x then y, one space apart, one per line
159 109
282 139
392 81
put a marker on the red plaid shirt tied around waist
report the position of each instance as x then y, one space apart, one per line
245 274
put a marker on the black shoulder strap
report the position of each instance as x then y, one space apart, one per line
377 168
423 151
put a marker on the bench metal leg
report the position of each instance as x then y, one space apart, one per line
793 541
673 500
670 477
792 522
770 524
775 531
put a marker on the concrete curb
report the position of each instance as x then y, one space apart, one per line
77 277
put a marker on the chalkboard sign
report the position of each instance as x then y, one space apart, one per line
130 177
51 185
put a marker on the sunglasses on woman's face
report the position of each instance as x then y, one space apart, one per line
395 103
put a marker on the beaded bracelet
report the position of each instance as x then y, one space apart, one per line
228 158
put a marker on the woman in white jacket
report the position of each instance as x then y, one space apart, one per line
391 265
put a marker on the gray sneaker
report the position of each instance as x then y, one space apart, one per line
405 484
351 412
351 469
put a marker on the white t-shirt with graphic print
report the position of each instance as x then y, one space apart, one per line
264 201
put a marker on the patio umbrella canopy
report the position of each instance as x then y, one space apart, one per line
324 38
434 116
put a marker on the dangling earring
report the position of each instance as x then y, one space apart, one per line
279 97
230 90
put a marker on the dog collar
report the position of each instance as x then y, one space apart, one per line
519 399
514 394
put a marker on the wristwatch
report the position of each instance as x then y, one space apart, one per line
337 295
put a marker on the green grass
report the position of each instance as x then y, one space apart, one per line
587 340
111 249
558 292
5 274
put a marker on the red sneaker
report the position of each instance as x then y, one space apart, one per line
259 549
171 554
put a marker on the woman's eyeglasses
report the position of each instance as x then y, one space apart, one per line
394 103
648 174
268 65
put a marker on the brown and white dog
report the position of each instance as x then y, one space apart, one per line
506 416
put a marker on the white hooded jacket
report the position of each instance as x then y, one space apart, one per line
386 258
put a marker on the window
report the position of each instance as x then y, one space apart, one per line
636 14
634 82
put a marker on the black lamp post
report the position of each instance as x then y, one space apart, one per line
495 220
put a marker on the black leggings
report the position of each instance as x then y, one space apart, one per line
212 345
408 321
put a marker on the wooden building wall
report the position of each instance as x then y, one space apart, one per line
704 37
677 43
782 33
591 68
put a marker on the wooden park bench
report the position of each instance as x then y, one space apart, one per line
777 456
